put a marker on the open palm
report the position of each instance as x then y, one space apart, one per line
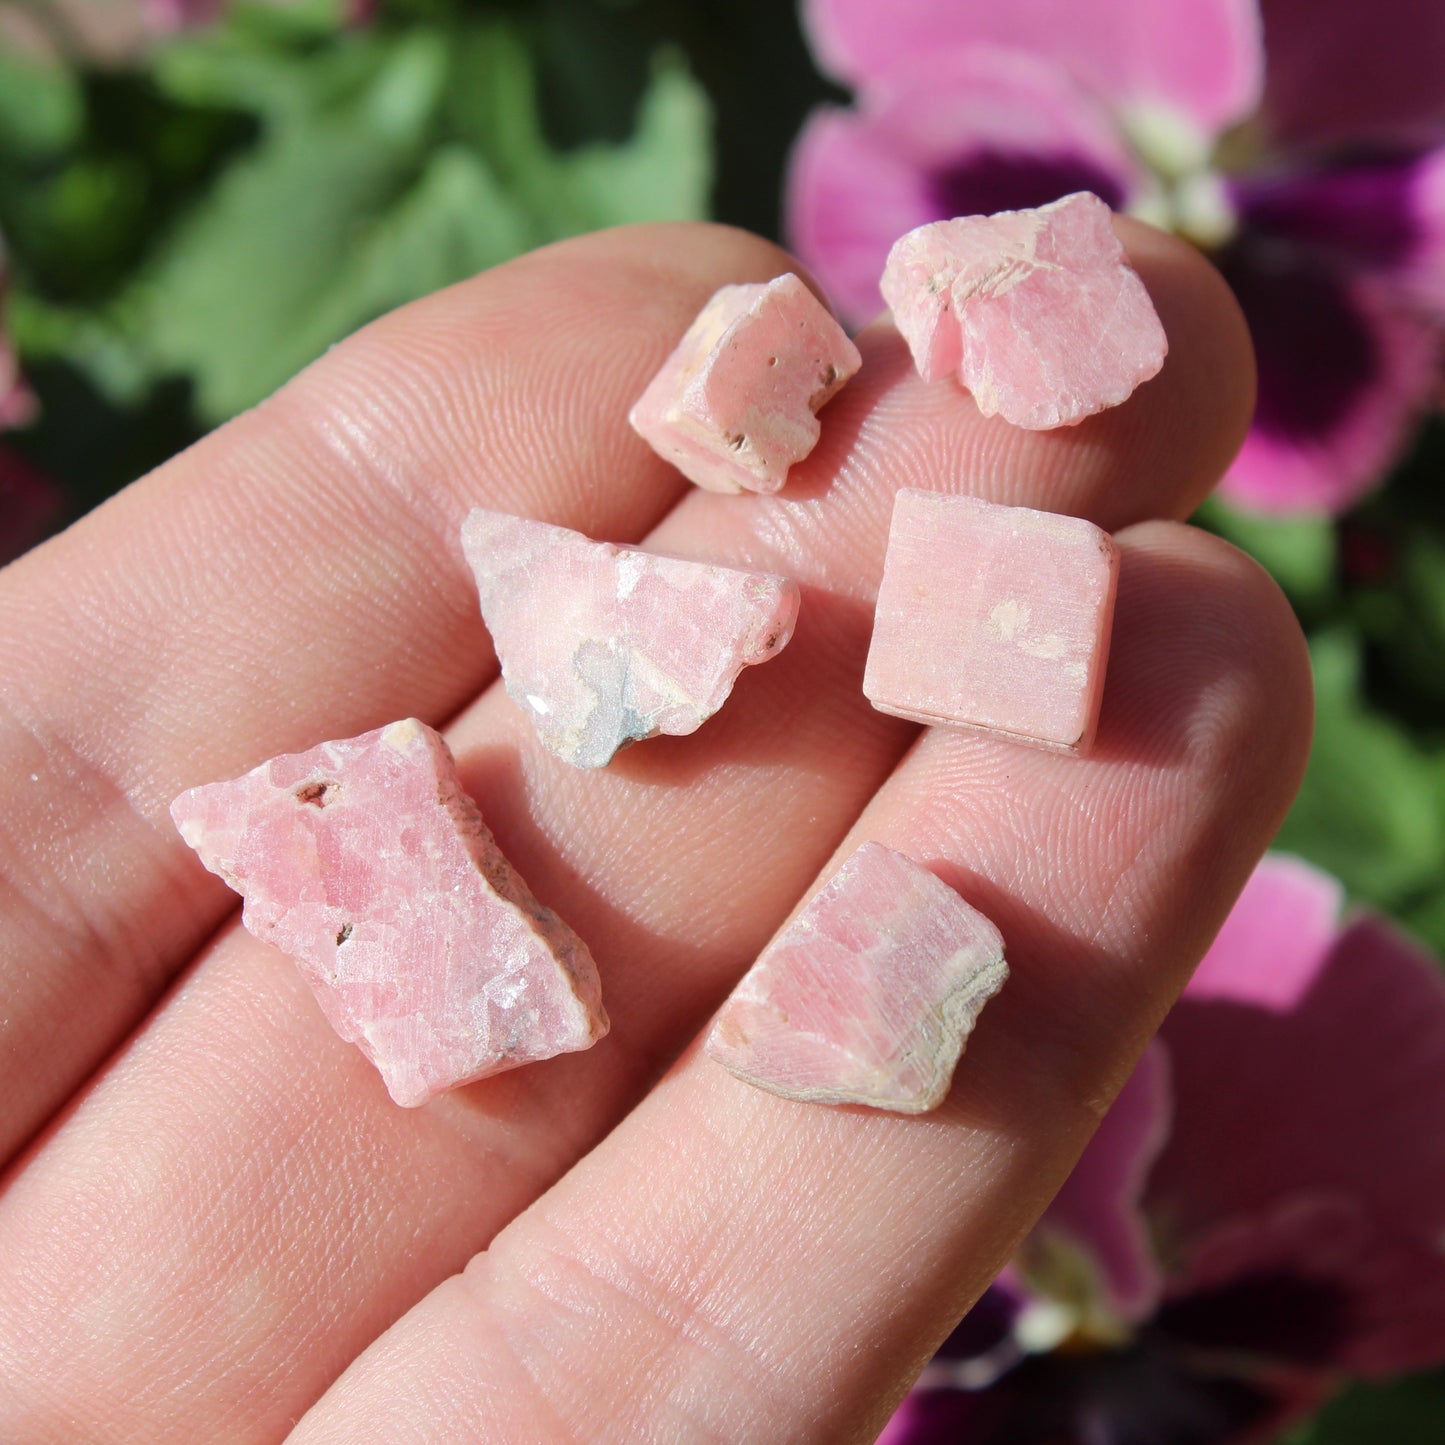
215 1221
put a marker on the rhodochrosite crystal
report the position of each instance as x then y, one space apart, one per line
365 861
868 995
994 618
1039 312
602 645
734 405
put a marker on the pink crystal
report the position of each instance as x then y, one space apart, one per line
601 645
868 995
734 405
993 617
1039 312
365 861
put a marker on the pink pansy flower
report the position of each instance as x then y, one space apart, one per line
1316 181
1260 1216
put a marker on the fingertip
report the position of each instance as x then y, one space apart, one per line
1208 381
1210 679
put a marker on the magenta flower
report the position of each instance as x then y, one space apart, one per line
30 505
1260 1216
1317 181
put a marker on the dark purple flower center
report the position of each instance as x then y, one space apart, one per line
985 181
985 1327
1367 210
1138 1396
1280 1315
1316 354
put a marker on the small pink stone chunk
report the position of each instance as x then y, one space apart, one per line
365 861
734 405
602 645
1039 312
994 618
868 995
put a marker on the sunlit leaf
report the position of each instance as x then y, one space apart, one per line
1370 808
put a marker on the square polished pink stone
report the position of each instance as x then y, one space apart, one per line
994 618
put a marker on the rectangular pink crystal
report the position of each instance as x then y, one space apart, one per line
366 862
995 618
868 995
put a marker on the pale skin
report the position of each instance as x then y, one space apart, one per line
215 1224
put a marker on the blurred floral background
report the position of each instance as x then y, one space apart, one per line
197 197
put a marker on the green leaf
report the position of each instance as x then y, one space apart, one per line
454 222
1299 552
663 172
386 164
1369 810
254 284
40 109
1404 1412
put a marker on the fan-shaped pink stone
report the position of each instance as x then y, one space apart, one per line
994 618
868 995
734 405
1039 312
602 645
365 861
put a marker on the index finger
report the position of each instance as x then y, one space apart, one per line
295 575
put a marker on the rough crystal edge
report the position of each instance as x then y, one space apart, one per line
929 335
778 600
966 1002
664 420
565 946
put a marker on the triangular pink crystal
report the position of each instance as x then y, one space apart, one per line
366 862
602 645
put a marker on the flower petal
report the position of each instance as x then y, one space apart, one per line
938 1417
1342 72
1314 1282
1345 369
30 505
1098 1208
1336 1098
1201 57
1276 939
966 133
1385 215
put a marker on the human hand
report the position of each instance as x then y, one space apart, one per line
225 1219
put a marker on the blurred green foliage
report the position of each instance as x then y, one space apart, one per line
254 191
1405 1412
1370 591
188 229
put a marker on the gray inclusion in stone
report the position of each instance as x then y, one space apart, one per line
612 723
